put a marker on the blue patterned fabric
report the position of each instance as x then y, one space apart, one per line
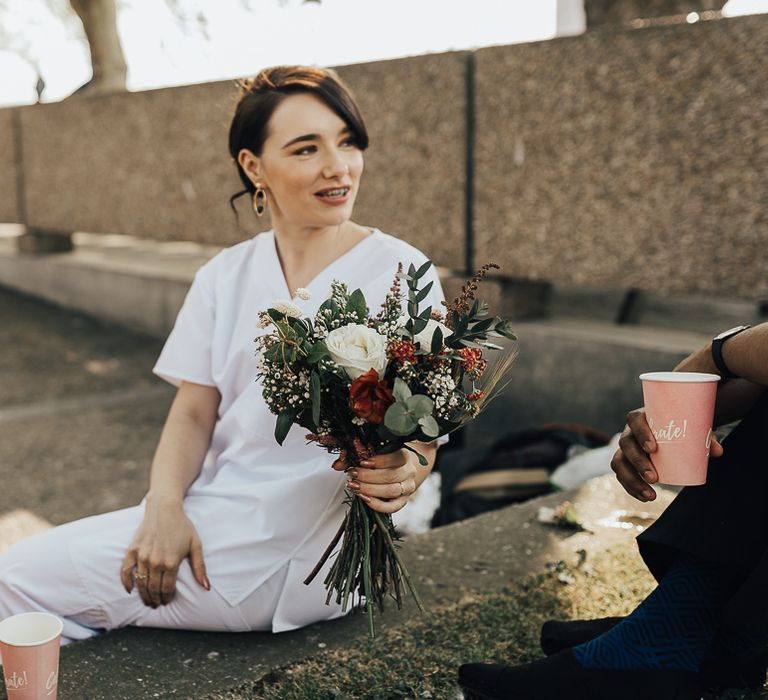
671 629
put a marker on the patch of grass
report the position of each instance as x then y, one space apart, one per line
420 658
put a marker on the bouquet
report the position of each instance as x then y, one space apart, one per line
373 385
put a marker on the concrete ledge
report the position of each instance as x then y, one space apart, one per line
579 371
137 283
479 555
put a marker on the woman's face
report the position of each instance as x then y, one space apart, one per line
310 164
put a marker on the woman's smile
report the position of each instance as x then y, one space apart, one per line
334 196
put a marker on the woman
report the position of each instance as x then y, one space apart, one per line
232 522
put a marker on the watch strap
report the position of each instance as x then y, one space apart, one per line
717 352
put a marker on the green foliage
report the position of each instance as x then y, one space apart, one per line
357 306
403 417
318 352
283 426
315 390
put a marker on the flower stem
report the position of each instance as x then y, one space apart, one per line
326 553
393 549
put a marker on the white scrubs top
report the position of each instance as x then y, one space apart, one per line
259 507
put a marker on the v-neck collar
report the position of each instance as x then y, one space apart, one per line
274 270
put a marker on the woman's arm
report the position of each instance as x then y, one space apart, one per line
166 535
183 443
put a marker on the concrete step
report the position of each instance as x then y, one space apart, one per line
138 283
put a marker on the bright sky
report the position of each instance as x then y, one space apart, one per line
160 53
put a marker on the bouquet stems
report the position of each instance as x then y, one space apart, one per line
367 562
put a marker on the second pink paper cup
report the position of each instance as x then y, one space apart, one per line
679 408
29 644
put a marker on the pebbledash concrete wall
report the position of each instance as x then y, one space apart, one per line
9 209
156 163
628 158
617 159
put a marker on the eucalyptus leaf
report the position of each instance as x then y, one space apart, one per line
399 420
423 269
419 325
460 326
401 390
426 314
283 426
413 309
437 341
420 405
429 426
422 295
482 326
503 328
422 459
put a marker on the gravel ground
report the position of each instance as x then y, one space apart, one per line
81 412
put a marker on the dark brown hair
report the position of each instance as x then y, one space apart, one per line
260 96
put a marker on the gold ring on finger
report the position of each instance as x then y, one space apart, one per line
402 488
141 577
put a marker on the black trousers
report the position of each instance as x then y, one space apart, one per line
725 521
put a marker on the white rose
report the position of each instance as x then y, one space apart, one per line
357 349
424 338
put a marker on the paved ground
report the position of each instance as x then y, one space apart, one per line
80 413
79 421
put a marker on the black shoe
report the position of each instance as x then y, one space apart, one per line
560 677
748 674
557 635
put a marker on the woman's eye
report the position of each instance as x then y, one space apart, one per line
305 151
349 142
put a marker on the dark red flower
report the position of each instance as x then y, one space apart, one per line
369 398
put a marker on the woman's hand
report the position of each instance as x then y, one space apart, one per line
384 482
631 463
165 537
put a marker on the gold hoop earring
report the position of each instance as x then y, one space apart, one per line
259 200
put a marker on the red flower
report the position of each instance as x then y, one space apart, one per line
369 398
472 361
402 350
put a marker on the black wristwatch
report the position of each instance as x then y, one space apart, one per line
717 350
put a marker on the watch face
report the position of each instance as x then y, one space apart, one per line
731 331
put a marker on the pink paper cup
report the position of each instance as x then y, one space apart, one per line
680 408
29 644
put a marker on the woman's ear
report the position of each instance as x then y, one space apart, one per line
251 164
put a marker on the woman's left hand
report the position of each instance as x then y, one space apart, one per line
384 482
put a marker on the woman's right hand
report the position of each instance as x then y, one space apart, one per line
165 537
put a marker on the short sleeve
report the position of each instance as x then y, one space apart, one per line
186 355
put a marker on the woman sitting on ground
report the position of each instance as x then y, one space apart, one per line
232 522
